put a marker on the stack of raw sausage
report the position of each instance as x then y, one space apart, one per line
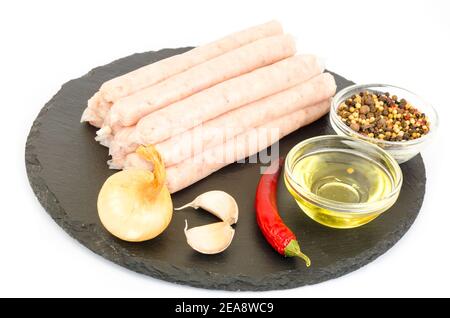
211 106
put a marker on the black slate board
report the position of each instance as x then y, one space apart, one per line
66 169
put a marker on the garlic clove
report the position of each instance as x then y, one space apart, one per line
218 203
211 238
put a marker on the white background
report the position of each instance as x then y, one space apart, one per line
46 43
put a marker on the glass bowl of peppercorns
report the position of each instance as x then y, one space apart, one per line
391 117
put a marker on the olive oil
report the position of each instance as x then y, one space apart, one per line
339 178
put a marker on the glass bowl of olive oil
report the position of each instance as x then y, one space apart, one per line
342 182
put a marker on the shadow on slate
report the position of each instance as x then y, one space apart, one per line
66 169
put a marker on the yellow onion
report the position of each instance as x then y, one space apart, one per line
135 205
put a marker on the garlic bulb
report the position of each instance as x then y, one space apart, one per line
218 203
211 238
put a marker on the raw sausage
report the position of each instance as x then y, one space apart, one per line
226 96
128 110
153 73
244 145
228 125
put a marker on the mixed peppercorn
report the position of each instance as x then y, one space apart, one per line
382 116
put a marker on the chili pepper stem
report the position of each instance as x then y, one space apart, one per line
293 249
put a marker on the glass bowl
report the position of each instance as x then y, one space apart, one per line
402 151
339 214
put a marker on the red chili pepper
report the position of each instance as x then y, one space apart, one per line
278 235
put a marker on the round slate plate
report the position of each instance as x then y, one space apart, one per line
66 169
